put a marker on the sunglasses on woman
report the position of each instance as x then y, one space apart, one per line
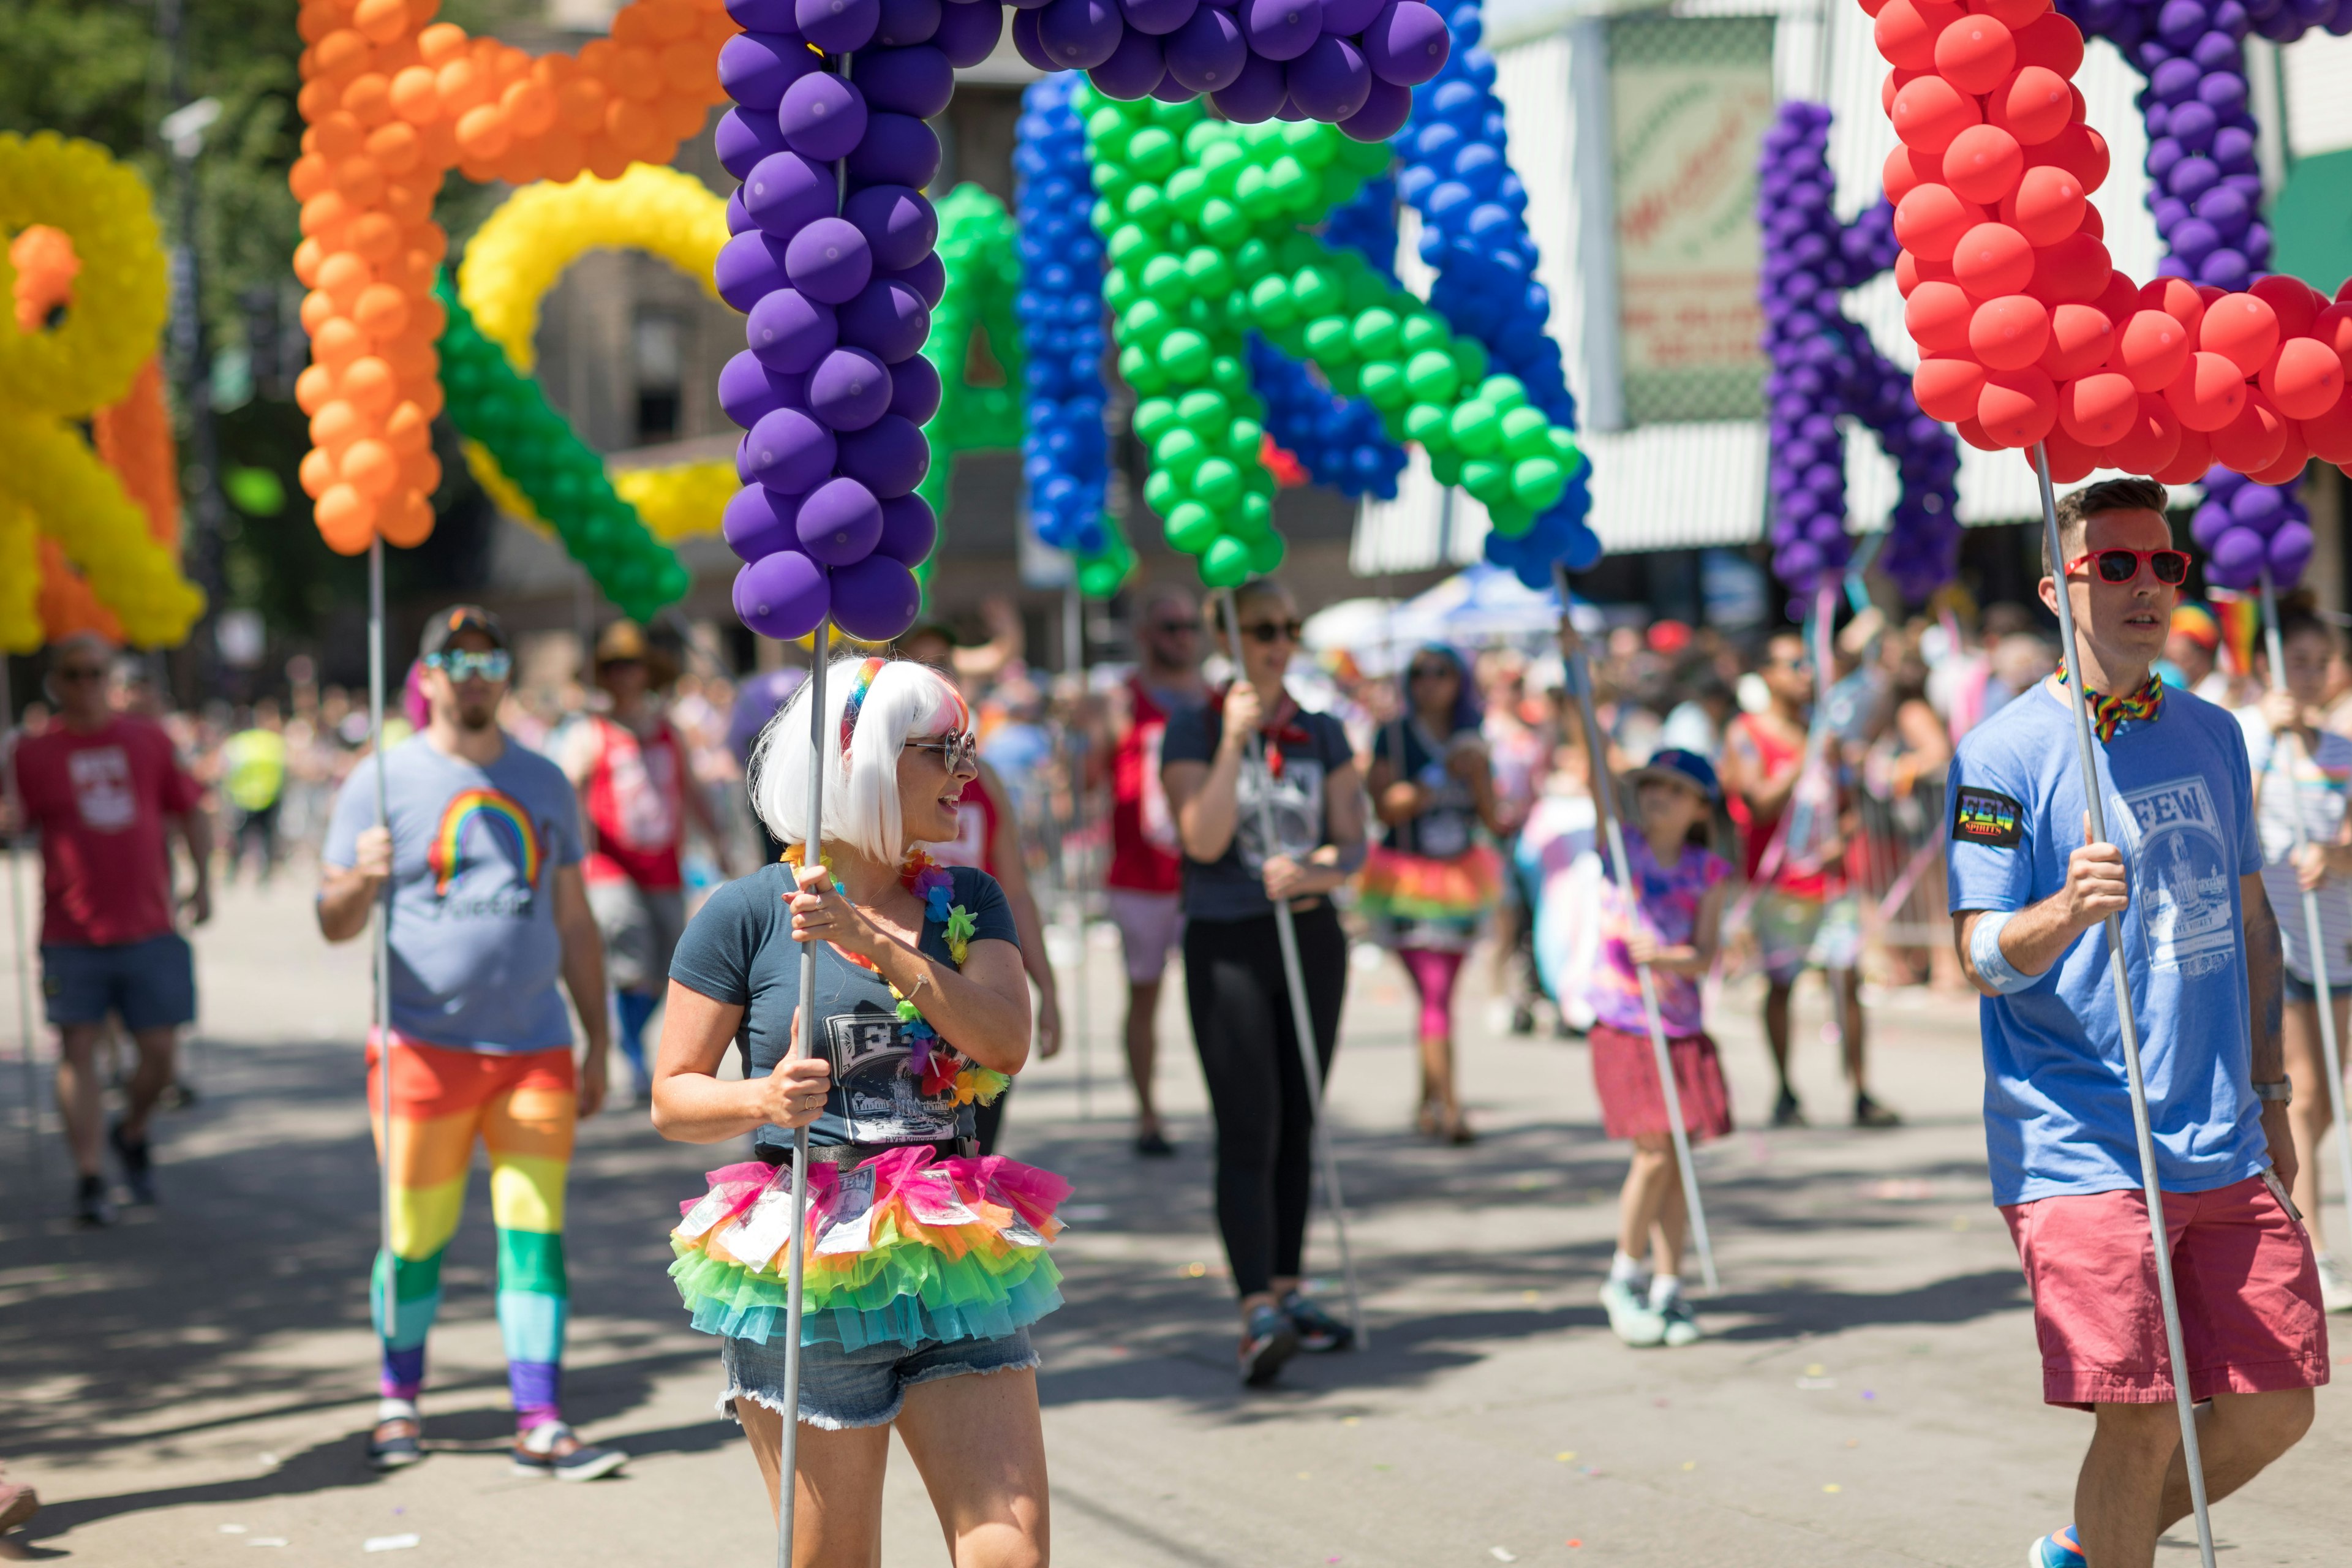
1270 631
461 665
1432 672
2119 565
961 753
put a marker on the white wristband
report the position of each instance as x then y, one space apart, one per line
1985 954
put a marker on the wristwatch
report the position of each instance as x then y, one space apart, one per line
2281 1092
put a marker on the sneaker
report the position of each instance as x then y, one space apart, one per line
2334 1290
1266 1343
1681 1325
1629 1317
396 1443
2056 1550
1868 1112
94 1210
1153 1145
551 1449
1787 1112
138 1164
1319 1331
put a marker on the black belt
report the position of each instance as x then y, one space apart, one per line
858 1153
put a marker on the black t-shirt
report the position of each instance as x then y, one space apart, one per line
1445 830
1303 753
739 949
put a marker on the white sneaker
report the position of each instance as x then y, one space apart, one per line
1681 1327
1629 1317
2334 1290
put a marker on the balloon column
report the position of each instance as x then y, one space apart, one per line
107 270
1201 222
1064 449
834 247
833 261
531 445
2026 332
1457 175
1338 440
1824 367
978 412
393 104
2208 195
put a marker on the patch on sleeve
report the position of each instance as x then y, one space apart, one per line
1987 817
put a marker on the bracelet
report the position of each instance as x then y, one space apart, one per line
2278 1091
1991 965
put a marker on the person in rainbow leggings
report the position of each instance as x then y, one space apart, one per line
488 908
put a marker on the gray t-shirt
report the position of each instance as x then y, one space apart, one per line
2317 784
739 949
475 954
1304 752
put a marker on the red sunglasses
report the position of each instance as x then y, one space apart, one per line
2170 566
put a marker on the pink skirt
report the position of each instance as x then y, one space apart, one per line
1625 1075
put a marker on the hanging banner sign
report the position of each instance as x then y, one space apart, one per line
1690 99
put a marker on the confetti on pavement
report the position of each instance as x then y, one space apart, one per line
1566 1456
1831 1487
390 1542
1500 1556
267 1541
1690 1464
232 1530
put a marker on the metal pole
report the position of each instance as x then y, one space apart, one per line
24 1025
1074 663
2330 1049
382 958
804 1041
1302 1020
2128 1025
1605 796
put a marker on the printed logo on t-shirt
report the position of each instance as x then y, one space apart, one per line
476 824
2180 878
101 787
1988 817
871 1063
1297 797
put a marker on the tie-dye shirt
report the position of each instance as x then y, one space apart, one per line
1669 906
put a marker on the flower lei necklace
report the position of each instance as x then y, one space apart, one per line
942 1066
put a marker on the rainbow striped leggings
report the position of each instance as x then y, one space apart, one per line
522 1109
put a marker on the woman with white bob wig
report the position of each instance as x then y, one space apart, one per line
924 1266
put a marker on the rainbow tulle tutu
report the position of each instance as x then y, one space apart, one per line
1457 889
903 1248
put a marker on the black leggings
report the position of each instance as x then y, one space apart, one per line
1257 1085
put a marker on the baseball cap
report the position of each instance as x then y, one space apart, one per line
1682 767
447 624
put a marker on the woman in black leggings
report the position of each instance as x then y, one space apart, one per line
1232 957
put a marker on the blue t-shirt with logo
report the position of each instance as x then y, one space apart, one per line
475 954
2178 800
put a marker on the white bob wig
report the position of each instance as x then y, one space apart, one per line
896 700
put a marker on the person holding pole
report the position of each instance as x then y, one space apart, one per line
924 1266
489 910
1672 926
107 793
2301 768
1234 982
2036 898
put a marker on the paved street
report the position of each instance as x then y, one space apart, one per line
193 1387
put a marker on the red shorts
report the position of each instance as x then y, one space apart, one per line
2249 1291
1625 1077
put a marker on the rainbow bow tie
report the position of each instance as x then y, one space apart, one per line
2107 713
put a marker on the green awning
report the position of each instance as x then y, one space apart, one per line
2311 221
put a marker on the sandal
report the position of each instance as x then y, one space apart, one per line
396 1443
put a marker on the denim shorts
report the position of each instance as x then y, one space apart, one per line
841 1389
150 984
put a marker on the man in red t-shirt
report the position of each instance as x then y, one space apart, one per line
104 789
636 794
1145 870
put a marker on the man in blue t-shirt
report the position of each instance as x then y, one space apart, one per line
488 909
2029 896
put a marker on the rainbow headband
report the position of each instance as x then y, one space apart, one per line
867 670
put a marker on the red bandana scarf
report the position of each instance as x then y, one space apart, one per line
1279 738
